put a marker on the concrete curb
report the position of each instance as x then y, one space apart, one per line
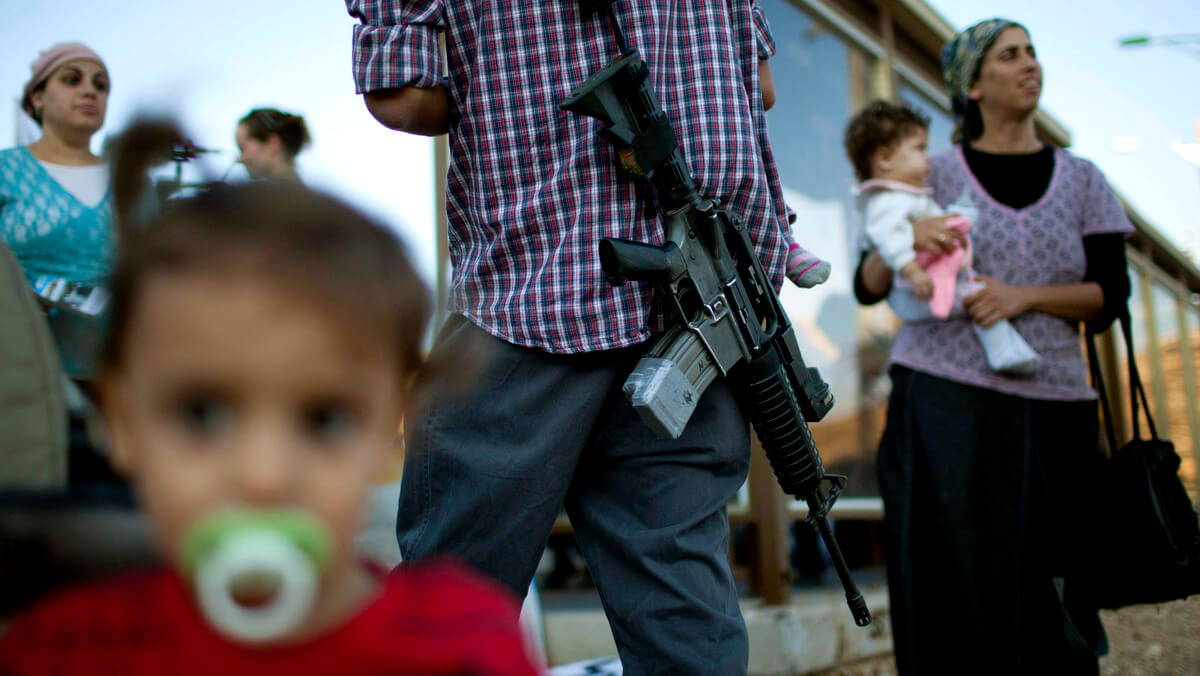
810 633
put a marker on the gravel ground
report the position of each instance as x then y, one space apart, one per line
1161 640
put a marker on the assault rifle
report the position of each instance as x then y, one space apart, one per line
729 321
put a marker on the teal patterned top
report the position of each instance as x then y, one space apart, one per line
50 231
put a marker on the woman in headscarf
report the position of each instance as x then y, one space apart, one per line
55 211
982 474
268 142
54 206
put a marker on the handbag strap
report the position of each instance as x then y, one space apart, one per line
1134 378
1136 389
1101 392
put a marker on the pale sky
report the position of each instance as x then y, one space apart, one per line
209 63
1100 91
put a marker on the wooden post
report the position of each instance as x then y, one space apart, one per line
771 570
883 76
1153 354
1114 384
441 169
441 166
1188 367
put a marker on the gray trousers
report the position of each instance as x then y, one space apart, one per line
488 470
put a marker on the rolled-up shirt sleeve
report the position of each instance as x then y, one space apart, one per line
396 43
762 32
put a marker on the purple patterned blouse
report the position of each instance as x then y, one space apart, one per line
1038 245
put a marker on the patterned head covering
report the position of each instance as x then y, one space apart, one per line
962 56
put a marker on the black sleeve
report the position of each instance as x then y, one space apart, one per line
1106 266
861 293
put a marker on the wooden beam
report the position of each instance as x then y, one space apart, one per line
1114 385
845 509
441 166
883 76
441 218
771 570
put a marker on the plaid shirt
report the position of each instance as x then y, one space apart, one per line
531 189
430 619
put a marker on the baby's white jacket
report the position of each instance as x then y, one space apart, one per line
886 208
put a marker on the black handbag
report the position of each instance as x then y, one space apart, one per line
1147 537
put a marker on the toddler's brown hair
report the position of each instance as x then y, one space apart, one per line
880 124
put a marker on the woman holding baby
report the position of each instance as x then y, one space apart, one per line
980 469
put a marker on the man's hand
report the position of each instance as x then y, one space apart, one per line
932 235
412 109
996 301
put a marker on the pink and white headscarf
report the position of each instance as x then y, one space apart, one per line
49 61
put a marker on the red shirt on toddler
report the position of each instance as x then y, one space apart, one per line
431 618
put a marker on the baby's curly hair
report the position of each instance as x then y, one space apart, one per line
880 124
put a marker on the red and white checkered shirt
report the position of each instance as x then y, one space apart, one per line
531 189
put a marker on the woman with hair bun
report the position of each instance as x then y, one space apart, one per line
268 142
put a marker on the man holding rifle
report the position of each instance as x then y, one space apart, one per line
531 192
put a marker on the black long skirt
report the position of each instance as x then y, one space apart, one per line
986 497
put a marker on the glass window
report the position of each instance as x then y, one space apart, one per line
941 122
820 81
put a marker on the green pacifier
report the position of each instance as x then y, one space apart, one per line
255 573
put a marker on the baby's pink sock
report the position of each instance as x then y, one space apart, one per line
805 269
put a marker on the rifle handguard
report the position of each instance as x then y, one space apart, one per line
777 418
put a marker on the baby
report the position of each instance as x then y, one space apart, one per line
264 342
887 144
